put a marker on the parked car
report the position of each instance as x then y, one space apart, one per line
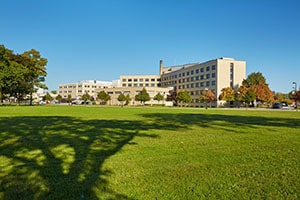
276 105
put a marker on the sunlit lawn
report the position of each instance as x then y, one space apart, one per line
87 152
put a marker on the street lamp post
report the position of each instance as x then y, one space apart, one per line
295 91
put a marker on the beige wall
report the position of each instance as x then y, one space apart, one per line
213 75
133 91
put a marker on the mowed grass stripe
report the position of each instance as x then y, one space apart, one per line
86 152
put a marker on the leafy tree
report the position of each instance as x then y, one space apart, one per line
172 96
263 93
207 96
69 99
122 98
21 74
58 98
249 97
142 96
103 97
48 97
254 79
184 97
53 92
256 82
158 97
227 94
85 97
128 99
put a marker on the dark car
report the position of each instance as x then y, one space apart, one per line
276 105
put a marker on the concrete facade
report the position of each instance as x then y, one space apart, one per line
140 80
76 90
213 75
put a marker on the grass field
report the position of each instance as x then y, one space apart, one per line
78 152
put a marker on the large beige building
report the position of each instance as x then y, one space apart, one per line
76 90
212 75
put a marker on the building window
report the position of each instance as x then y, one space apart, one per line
192 78
197 71
187 73
201 77
129 80
197 78
147 84
213 75
213 83
192 85
124 79
124 84
183 74
147 79
179 75
207 83
135 85
207 68
141 84
197 84
129 85
152 79
192 72
158 79
201 84
187 79
207 76
213 67
141 80
135 80
152 84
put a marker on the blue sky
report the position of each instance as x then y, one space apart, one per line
103 39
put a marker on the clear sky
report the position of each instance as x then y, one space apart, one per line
103 39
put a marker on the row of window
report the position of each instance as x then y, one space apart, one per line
200 77
140 85
79 91
80 86
197 85
140 80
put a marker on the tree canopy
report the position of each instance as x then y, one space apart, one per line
103 97
21 74
158 97
184 97
142 96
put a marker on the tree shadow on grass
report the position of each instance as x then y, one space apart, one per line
61 157
219 121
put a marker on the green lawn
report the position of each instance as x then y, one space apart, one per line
87 152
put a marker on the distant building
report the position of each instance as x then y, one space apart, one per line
76 90
212 75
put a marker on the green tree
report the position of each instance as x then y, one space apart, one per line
53 92
184 97
158 97
58 98
142 96
85 97
48 97
69 99
21 74
249 97
103 97
254 79
128 99
122 98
